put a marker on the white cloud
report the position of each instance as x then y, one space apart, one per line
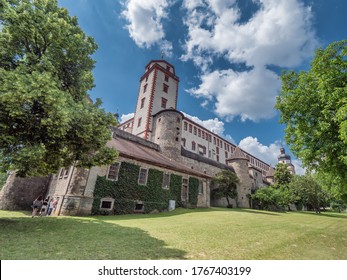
268 154
126 117
145 22
251 95
280 33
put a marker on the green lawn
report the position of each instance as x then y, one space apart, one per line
181 234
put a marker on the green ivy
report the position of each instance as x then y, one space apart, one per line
193 191
126 190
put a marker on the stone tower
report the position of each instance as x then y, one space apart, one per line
158 91
285 158
167 132
240 164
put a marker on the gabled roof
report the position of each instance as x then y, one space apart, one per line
128 148
238 154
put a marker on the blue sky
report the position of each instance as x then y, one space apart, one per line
228 55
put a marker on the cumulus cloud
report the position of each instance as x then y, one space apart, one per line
278 34
250 95
268 154
145 22
126 117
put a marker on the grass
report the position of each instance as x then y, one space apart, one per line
214 233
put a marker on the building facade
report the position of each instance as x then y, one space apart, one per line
164 158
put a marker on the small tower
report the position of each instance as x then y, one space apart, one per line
240 164
285 158
158 91
167 132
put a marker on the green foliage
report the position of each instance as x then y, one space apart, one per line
3 178
176 189
282 175
309 192
126 190
313 106
225 183
193 191
268 198
46 118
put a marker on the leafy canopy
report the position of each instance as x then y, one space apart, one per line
226 185
46 117
313 106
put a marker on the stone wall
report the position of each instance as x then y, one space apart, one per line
19 193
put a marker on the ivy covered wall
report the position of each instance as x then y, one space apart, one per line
126 190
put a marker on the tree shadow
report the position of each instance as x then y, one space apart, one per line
54 238
325 214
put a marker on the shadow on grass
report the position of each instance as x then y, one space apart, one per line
54 238
325 214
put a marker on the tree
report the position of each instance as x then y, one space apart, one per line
313 106
309 192
268 198
282 175
226 186
283 178
47 119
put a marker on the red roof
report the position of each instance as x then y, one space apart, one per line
132 150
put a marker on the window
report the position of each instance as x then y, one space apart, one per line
139 122
195 130
193 146
183 142
143 176
217 157
163 102
61 173
66 173
145 88
209 138
214 140
190 128
185 126
166 181
226 154
201 187
146 78
106 204
199 132
113 171
202 150
203 135
166 78
217 150
168 68
142 102
165 88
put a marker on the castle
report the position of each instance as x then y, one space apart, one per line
163 156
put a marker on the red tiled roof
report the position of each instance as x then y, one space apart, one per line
136 151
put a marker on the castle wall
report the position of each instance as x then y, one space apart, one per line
19 193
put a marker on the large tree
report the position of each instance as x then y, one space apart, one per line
225 183
309 192
47 119
313 106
